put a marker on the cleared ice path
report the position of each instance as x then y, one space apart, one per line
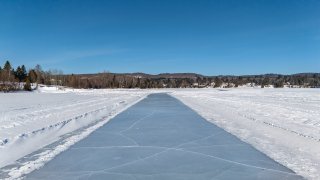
161 138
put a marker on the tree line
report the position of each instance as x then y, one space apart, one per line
20 78
112 80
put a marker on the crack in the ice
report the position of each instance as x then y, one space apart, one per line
176 148
154 155
110 147
131 126
216 145
234 162
129 138
200 139
193 152
136 122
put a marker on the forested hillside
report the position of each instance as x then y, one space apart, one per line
21 78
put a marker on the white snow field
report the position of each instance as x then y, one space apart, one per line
30 121
282 123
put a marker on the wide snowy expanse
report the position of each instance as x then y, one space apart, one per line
282 123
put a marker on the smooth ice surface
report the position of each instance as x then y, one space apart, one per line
161 138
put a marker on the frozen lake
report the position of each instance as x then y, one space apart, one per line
161 138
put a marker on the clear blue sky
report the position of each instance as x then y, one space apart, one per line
210 37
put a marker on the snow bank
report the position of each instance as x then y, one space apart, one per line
282 123
31 121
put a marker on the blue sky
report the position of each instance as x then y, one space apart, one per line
210 37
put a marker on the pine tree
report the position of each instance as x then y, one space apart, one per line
7 74
7 66
17 73
23 73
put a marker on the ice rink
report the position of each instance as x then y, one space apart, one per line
161 138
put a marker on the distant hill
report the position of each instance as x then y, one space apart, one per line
184 80
192 75
165 75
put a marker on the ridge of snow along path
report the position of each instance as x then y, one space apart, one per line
282 123
30 121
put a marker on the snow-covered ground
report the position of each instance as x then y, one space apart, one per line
282 123
30 121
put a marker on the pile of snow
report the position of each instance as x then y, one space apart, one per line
282 123
31 121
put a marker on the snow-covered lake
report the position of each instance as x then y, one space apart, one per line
282 123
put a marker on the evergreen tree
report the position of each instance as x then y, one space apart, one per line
17 73
23 73
7 74
20 74
7 66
